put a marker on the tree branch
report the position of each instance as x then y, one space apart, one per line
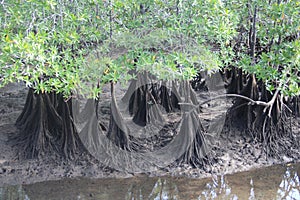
267 105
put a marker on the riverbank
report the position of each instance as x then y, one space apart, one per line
233 152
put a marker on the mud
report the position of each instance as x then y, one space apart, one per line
232 152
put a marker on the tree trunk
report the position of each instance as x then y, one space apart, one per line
118 132
46 127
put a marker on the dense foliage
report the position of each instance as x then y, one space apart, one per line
47 47
268 43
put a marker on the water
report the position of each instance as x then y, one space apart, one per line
276 182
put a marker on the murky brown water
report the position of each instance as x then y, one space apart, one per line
277 182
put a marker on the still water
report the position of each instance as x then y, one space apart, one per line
276 182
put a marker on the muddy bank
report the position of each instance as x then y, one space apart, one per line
232 152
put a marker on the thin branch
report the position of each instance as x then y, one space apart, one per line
253 35
267 105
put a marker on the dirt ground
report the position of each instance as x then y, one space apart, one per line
233 153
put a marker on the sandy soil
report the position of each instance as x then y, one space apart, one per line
234 152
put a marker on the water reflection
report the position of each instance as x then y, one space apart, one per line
13 193
277 182
164 189
289 186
